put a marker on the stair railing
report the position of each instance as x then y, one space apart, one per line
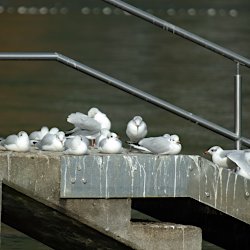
54 56
238 59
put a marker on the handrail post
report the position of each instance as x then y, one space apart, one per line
237 106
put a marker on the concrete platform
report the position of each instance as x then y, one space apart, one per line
153 176
32 196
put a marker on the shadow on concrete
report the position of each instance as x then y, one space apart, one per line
217 227
50 226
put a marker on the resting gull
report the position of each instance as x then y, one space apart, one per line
166 144
76 145
111 144
19 142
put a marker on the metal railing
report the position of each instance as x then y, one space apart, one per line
238 59
236 136
125 87
166 26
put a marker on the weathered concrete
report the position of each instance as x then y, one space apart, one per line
37 175
147 175
175 236
50 226
217 227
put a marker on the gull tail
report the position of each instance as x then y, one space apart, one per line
136 146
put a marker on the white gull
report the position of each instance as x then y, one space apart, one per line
236 160
111 144
136 129
19 142
89 125
76 145
50 142
166 144
38 135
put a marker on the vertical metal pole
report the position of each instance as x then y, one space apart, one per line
238 106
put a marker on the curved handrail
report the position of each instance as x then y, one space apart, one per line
54 56
180 32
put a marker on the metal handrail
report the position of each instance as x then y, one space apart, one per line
180 32
54 56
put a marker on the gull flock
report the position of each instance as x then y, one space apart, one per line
93 131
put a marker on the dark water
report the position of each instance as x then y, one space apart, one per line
34 94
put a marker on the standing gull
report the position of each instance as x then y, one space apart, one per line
232 159
166 144
89 125
136 129
100 117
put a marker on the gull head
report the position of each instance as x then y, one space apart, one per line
113 135
213 150
61 136
22 134
137 120
93 111
173 138
53 130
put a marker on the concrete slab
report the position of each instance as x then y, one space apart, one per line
37 176
161 236
146 176
50 226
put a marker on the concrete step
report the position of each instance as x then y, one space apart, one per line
31 193
160 236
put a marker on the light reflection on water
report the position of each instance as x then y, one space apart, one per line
34 94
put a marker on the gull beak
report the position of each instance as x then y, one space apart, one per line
206 152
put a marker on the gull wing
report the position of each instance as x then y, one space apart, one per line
156 145
47 140
239 158
11 139
83 121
